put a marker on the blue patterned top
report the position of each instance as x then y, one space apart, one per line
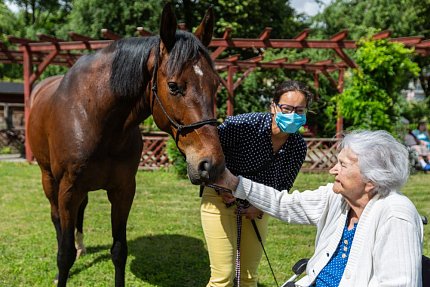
246 140
331 274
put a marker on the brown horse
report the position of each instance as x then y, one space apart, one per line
83 127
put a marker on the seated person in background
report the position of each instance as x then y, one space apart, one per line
421 149
422 134
368 233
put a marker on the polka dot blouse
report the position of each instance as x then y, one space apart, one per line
247 145
331 274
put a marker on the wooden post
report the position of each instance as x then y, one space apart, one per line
339 121
230 90
27 63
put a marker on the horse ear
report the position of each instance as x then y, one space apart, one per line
168 26
205 30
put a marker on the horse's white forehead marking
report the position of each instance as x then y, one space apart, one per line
198 70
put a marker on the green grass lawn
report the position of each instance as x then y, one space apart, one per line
166 243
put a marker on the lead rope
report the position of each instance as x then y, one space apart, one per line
239 232
219 189
254 224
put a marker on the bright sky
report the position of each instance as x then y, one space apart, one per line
11 6
309 7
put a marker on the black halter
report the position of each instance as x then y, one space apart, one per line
179 128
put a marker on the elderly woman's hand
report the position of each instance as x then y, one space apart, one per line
228 181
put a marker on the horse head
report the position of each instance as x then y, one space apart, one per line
184 85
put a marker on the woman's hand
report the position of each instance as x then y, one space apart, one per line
227 197
252 212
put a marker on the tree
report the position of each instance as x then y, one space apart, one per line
42 14
371 100
403 18
247 18
8 22
88 17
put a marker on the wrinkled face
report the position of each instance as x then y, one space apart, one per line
348 179
188 98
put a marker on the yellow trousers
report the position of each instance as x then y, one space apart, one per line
220 230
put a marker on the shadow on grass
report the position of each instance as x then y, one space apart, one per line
169 260
90 250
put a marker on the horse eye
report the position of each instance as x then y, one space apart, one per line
173 88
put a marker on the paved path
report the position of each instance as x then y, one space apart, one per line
12 157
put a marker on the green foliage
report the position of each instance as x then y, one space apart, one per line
403 18
176 158
246 18
6 150
148 125
122 17
367 17
415 111
369 101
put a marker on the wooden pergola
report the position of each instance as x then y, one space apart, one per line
37 55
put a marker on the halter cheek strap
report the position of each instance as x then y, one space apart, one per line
180 129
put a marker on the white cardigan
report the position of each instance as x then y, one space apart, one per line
387 246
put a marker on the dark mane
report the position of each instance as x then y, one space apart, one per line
187 49
129 76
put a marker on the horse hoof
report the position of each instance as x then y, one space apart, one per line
55 281
80 252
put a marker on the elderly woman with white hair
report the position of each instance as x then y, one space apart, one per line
368 233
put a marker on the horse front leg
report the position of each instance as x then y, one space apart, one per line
79 232
121 199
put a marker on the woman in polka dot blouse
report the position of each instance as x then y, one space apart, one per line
368 233
266 148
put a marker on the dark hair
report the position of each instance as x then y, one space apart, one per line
291 85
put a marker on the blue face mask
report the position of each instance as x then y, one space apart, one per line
290 123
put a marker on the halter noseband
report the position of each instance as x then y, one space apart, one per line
179 128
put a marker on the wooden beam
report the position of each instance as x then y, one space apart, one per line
233 58
142 32
382 35
324 62
6 52
345 58
301 61
108 34
243 77
78 37
302 35
42 66
278 61
49 38
408 41
265 34
67 46
281 43
17 40
215 54
339 36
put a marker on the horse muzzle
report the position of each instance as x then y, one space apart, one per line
205 171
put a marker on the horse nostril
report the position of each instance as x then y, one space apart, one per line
204 168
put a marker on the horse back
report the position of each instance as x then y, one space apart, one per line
76 123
